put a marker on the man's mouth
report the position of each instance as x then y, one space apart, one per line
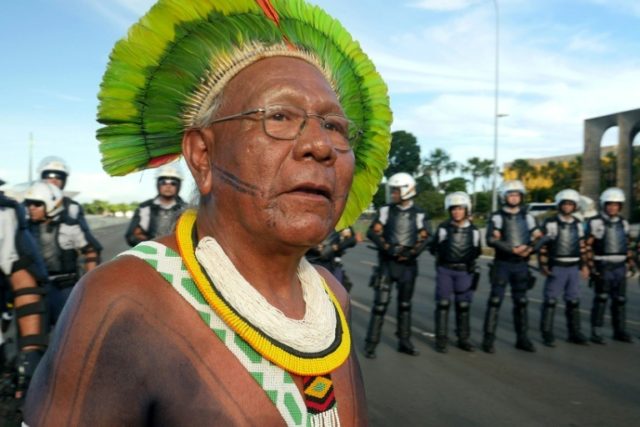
312 190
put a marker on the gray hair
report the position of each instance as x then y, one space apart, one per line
209 114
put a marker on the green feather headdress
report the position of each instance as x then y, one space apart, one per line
182 52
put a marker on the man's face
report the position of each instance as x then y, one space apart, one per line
514 198
612 208
54 178
290 191
458 213
395 195
36 210
567 207
168 187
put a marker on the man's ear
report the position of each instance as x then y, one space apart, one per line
196 153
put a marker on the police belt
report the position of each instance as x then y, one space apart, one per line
455 266
608 266
64 280
561 263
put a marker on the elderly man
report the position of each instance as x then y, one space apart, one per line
284 125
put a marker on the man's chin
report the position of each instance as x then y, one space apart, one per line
307 230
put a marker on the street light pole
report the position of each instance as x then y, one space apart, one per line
494 190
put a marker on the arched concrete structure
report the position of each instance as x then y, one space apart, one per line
628 123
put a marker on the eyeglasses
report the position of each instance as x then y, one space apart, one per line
287 122
168 181
34 203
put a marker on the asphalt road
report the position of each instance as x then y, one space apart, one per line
568 385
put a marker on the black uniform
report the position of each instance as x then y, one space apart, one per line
509 269
404 236
154 219
19 252
610 252
329 254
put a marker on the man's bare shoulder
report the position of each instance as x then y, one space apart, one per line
125 275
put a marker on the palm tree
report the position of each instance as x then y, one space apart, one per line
477 168
439 161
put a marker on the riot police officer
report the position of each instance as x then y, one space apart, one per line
562 259
512 232
328 254
610 258
400 232
157 217
60 240
23 271
456 245
54 170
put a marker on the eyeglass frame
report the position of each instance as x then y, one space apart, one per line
263 110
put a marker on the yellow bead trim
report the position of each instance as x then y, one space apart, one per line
296 364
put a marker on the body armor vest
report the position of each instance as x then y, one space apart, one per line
458 248
515 229
57 260
614 241
162 221
401 228
567 242
47 239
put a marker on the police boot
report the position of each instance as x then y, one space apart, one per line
546 322
572 312
619 320
521 323
490 324
404 330
373 334
462 326
597 317
442 325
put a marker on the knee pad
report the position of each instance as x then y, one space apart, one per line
380 309
463 304
620 300
443 304
521 301
404 306
495 301
573 303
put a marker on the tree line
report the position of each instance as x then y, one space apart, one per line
102 207
405 156
474 176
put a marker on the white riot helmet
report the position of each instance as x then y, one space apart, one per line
612 195
458 198
53 166
567 195
511 186
169 171
48 194
405 183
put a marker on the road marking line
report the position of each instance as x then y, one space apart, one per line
388 318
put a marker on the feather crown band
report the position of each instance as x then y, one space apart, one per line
163 76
